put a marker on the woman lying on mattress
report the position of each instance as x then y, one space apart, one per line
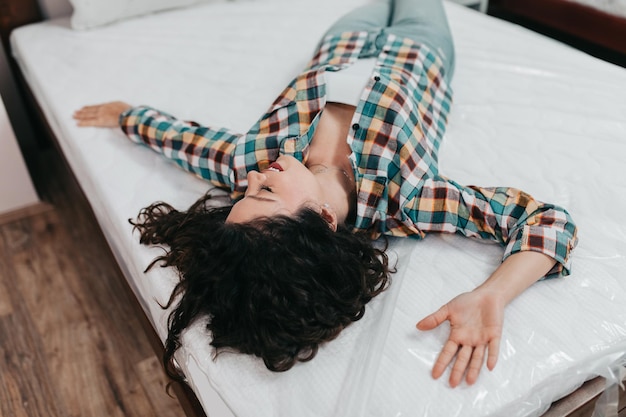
346 153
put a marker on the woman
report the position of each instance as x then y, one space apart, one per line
346 153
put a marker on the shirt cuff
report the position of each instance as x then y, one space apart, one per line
129 121
554 243
132 112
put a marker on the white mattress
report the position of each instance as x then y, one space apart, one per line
529 113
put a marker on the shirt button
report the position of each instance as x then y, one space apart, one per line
377 78
355 126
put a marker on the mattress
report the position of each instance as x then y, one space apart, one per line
529 113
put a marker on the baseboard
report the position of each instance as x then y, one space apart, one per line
23 212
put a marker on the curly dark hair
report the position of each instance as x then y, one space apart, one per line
275 287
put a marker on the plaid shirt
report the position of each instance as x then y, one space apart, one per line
395 137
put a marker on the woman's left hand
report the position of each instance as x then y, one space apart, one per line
475 329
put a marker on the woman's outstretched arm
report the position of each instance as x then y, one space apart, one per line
476 317
537 238
201 150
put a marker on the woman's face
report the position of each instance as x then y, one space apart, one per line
282 189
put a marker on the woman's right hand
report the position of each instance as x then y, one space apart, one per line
101 115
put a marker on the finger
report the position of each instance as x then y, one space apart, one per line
85 109
94 121
87 122
83 113
79 113
475 364
85 117
462 360
433 320
444 359
494 350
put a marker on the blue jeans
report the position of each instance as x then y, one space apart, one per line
423 21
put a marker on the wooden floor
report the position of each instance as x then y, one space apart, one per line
70 340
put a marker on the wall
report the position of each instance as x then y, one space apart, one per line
16 188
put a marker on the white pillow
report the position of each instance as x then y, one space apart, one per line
92 13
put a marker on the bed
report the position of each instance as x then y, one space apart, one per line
598 25
536 114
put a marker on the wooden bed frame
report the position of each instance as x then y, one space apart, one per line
25 113
592 30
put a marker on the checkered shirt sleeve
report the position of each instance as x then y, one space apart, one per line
201 150
507 215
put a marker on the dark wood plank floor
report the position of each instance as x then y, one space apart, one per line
70 340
